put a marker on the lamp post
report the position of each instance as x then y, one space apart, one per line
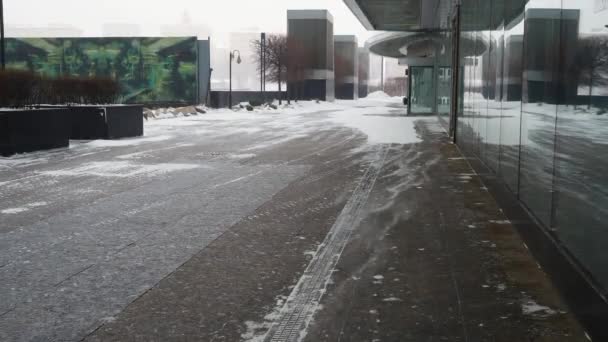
2 46
238 61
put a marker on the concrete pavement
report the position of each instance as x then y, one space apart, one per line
265 227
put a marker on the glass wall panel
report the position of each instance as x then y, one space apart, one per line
465 35
581 206
484 87
534 107
542 24
422 92
444 90
494 85
510 121
444 75
476 87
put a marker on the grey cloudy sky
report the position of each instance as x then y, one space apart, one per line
218 15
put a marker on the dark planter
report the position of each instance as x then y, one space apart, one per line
125 121
33 130
89 122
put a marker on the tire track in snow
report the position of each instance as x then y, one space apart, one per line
303 302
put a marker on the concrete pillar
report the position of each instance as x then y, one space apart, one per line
346 67
363 72
310 39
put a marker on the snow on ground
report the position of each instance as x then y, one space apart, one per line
119 169
380 117
127 142
530 307
381 127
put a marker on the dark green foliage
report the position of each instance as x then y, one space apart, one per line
23 88
16 88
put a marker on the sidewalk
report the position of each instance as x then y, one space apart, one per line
428 256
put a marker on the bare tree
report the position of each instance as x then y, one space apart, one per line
275 58
592 62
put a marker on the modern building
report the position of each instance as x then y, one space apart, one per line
363 72
346 63
119 29
310 39
49 31
522 87
186 27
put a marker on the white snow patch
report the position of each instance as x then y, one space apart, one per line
257 331
381 128
127 142
241 155
500 222
20 160
37 204
532 308
120 169
147 153
392 299
12 211
270 143
378 95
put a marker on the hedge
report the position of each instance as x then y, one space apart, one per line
25 89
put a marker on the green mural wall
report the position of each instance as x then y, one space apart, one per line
148 69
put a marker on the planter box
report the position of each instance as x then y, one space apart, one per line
33 130
106 122
88 123
125 121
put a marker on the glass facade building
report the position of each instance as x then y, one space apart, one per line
523 87
533 106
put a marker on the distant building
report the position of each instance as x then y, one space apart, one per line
346 67
121 30
50 31
185 28
363 71
310 36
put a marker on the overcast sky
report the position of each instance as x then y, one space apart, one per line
218 15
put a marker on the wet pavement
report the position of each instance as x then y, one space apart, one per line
266 227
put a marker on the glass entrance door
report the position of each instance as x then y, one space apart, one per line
422 94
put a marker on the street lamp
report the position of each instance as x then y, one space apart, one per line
238 61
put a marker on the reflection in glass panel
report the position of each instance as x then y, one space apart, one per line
511 101
484 92
468 60
476 92
422 95
444 89
541 61
494 85
581 208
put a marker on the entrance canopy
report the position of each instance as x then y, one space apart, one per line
401 15
419 28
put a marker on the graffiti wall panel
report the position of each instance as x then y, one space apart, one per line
148 69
